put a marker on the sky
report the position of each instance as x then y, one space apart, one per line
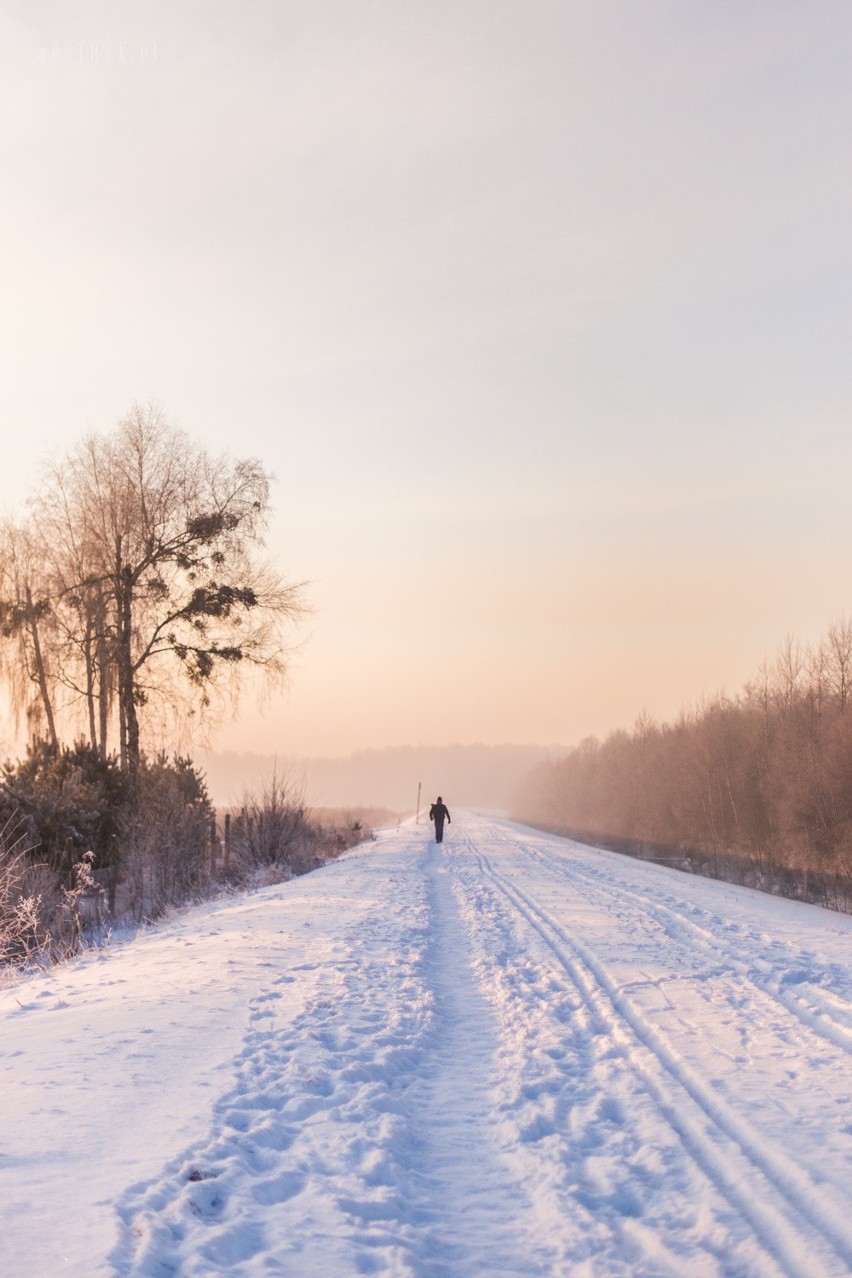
539 314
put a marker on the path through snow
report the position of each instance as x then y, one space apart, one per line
508 1055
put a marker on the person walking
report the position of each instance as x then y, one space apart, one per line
439 813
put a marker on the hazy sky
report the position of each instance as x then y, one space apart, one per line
539 312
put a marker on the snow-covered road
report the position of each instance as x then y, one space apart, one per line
508 1055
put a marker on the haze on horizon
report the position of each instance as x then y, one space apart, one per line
540 315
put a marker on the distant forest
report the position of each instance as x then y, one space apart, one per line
756 788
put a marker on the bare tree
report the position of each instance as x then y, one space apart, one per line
838 650
25 621
818 678
788 671
154 578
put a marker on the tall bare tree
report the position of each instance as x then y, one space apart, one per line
26 621
155 580
838 650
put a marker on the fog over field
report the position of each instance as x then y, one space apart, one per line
471 776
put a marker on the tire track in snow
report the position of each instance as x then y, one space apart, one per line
586 1138
832 1024
776 1231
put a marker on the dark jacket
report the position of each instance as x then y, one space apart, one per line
439 813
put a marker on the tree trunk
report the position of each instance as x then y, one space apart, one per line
126 678
104 680
41 674
90 676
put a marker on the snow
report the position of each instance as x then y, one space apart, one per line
507 1055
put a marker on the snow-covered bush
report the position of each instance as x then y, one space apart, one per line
27 898
40 918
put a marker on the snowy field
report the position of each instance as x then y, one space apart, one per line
509 1055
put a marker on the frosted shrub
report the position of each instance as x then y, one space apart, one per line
272 830
24 929
274 836
40 920
81 907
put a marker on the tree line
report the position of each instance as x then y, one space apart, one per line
756 788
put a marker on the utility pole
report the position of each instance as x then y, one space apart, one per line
417 818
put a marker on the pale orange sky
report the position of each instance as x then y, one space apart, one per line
539 314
